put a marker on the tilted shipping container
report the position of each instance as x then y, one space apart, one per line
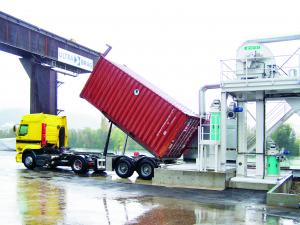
153 119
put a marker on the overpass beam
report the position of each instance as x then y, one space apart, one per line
43 87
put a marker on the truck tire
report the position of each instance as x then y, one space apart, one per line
145 169
124 168
79 165
29 160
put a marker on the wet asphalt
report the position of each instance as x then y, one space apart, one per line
44 196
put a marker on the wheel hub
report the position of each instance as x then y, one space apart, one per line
123 168
77 164
146 169
28 160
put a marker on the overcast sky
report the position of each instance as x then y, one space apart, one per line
176 45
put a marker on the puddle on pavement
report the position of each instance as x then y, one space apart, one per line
42 202
50 197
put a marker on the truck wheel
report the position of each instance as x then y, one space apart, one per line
124 168
29 160
79 165
146 169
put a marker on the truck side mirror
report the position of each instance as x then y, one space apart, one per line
15 127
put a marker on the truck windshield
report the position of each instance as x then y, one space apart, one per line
23 130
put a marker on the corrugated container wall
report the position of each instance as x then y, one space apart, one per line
149 116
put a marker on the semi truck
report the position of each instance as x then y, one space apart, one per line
150 117
42 141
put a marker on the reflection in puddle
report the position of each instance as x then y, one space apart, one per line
175 211
44 201
164 216
40 202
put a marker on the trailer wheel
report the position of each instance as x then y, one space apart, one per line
79 165
145 169
29 160
124 168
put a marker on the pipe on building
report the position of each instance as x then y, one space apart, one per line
275 39
202 91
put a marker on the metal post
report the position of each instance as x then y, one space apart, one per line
298 75
205 151
198 164
199 156
43 87
107 50
246 66
222 152
221 73
216 157
260 134
241 163
107 140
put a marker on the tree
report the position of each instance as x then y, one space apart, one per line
104 124
118 139
96 138
285 137
298 146
7 133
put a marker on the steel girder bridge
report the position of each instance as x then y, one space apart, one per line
42 53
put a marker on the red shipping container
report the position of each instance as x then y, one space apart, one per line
149 116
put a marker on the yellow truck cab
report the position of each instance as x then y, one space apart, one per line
40 131
42 141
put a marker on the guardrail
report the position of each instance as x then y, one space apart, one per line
280 194
286 67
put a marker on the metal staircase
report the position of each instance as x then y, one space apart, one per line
280 113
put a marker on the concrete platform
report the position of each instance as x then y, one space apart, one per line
252 183
296 171
187 176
